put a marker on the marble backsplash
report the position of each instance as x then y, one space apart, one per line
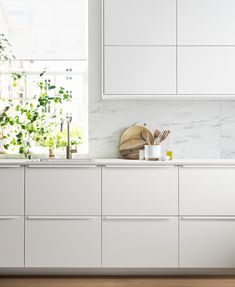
200 129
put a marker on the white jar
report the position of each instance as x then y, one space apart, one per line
152 152
141 154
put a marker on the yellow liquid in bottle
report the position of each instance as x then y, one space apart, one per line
170 154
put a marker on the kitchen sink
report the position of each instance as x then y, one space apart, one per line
64 161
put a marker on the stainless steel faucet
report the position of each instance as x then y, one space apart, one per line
69 150
68 147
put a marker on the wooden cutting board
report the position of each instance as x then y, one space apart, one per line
133 133
131 142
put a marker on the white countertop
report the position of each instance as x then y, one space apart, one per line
118 162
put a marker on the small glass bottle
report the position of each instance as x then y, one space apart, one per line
169 151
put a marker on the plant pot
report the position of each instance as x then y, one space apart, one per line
51 153
152 152
2 149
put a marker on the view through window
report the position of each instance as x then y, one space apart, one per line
51 36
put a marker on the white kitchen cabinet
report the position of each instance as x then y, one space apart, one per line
140 190
62 241
11 241
207 242
139 242
12 190
207 190
62 190
139 70
206 70
206 22
139 22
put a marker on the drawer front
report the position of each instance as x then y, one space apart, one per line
158 16
12 190
207 191
125 68
207 243
140 191
63 242
139 242
11 241
63 191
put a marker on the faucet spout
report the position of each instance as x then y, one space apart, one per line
68 147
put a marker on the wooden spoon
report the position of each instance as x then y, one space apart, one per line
157 135
146 136
164 136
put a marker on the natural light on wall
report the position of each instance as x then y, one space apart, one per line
49 35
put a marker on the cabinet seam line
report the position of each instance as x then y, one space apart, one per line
101 219
178 216
24 214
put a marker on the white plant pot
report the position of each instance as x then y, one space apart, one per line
152 152
2 149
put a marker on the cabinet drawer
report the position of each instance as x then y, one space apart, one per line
11 241
139 70
139 242
140 191
63 191
143 22
63 242
207 243
207 190
12 190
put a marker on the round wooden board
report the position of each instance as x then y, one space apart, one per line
133 133
148 125
131 142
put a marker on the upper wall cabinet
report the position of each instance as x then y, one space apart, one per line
168 49
206 70
206 22
139 70
139 22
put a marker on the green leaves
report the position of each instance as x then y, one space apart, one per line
33 121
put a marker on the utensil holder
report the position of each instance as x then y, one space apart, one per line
152 152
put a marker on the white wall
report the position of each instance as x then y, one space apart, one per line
200 129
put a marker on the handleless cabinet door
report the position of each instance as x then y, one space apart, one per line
11 241
207 243
139 22
63 191
207 190
63 242
206 70
206 22
139 70
140 191
140 242
12 190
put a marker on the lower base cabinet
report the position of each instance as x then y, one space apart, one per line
11 241
57 241
139 242
207 242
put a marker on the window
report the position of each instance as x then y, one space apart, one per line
48 35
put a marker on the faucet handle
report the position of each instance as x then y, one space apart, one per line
69 117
